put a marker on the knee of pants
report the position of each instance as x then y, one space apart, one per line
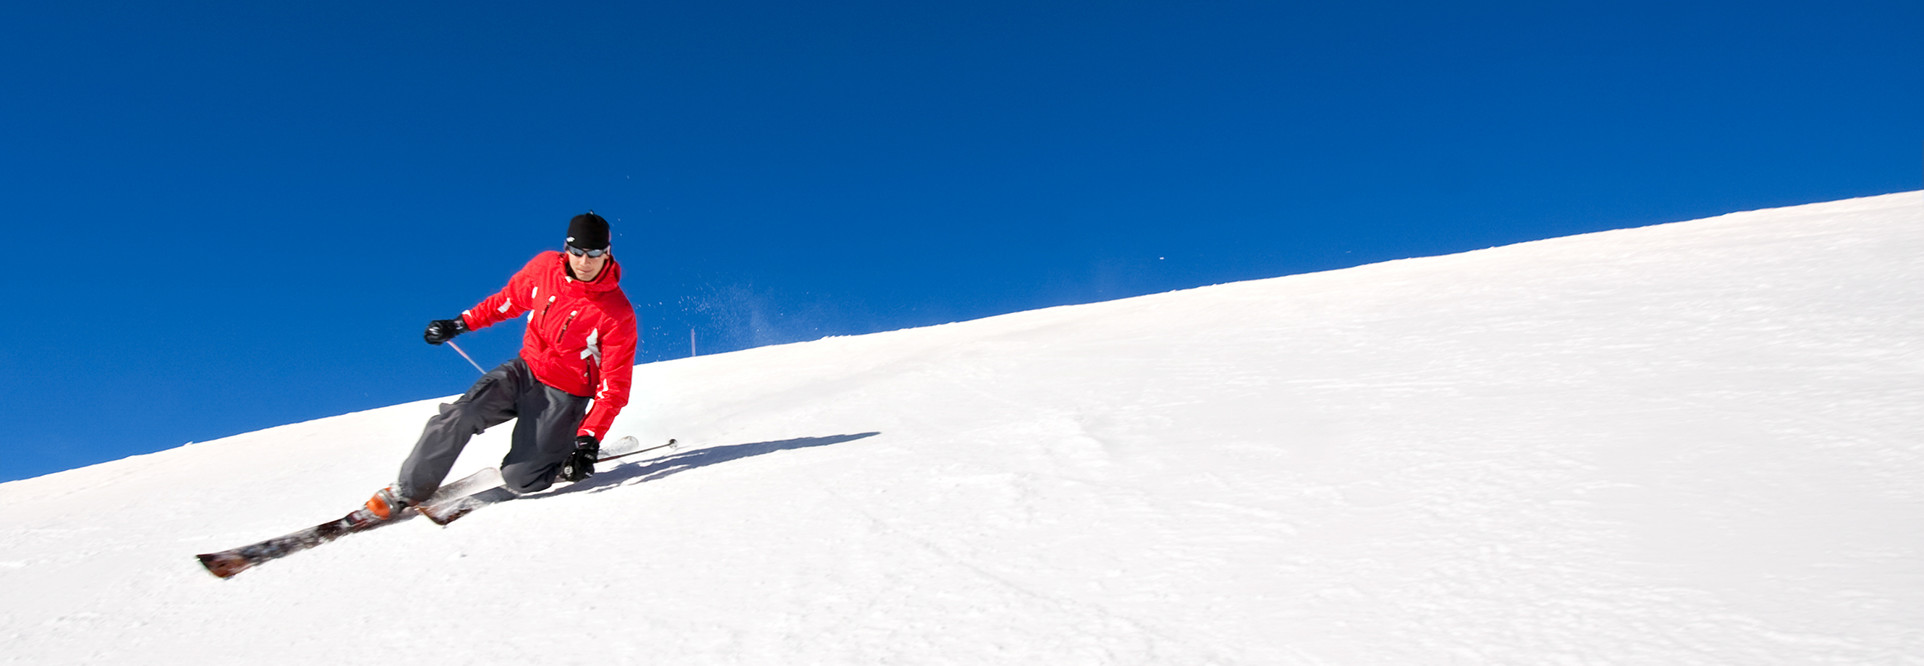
460 417
528 477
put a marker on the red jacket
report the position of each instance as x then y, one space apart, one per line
581 335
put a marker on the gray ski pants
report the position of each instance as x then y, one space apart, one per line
544 432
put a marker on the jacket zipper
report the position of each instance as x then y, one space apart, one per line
564 327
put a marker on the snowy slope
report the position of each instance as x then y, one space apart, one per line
1692 443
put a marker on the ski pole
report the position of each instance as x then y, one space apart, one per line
457 350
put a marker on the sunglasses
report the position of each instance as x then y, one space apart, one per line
586 253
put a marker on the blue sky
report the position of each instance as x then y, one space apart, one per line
225 216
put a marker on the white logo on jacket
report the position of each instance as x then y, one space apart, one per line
594 346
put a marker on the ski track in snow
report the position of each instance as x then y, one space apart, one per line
1695 443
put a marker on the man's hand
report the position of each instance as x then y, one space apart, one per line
581 463
443 330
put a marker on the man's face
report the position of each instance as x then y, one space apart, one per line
587 268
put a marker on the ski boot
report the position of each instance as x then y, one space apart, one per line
386 504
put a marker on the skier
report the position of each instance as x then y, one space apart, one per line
579 347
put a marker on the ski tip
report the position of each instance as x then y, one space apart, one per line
223 565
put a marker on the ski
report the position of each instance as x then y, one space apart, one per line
227 563
453 507
671 445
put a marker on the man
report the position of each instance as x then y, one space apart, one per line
579 346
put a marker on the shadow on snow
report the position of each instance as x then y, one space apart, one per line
668 466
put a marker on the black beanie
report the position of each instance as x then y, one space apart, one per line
588 232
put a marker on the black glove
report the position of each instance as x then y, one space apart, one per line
443 330
581 463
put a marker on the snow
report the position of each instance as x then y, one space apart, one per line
1695 443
